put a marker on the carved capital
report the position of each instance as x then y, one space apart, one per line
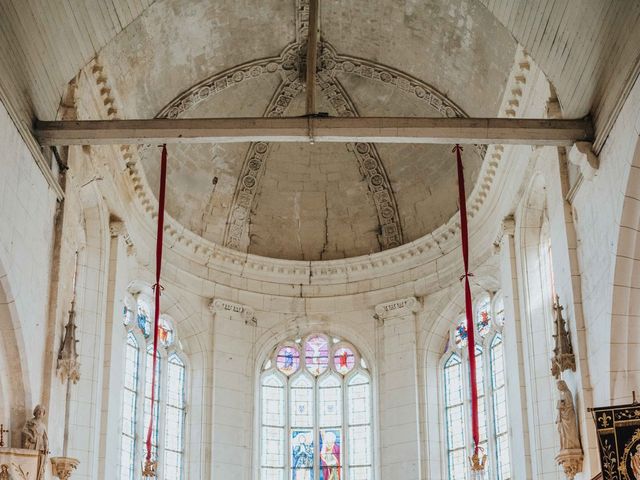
233 310
507 227
117 228
581 155
397 308
62 467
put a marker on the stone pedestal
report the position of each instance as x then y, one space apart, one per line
571 461
63 467
18 463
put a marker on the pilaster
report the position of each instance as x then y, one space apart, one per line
400 455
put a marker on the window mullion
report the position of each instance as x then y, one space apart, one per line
287 430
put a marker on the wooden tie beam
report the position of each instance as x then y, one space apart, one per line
317 129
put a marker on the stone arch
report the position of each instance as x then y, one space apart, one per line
625 307
15 393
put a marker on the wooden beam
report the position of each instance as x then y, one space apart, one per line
558 132
312 57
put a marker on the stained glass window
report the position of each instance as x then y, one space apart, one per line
500 420
316 401
156 402
483 316
454 418
165 332
288 359
490 378
144 319
316 352
129 405
344 360
460 335
168 441
174 419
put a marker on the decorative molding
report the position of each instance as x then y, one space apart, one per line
286 64
371 166
252 170
397 308
233 310
581 155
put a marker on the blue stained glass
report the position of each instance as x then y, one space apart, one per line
302 455
144 320
461 334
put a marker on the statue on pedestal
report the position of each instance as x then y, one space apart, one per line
570 455
34 437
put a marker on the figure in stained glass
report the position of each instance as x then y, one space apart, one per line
288 360
317 354
165 333
329 455
461 335
144 321
344 360
302 455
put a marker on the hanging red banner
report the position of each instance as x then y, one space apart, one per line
471 343
149 468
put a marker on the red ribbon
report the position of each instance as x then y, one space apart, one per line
157 289
471 343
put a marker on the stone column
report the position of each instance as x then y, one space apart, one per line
233 385
399 413
513 353
120 247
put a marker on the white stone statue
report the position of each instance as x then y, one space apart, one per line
34 437
567 419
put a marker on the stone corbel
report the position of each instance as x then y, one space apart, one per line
581 155
397 308
117 228
507 227
233 310
63 467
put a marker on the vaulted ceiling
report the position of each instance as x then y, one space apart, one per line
186 58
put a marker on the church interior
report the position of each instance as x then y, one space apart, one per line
319 239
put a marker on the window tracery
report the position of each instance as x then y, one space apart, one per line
315 412
168 436
492 401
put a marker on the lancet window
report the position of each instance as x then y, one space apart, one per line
492 399
316 412
169 411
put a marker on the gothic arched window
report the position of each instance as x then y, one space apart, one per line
492 399
315 412
168 436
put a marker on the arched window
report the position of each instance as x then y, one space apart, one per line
169 410
315 412
129 407
492 401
